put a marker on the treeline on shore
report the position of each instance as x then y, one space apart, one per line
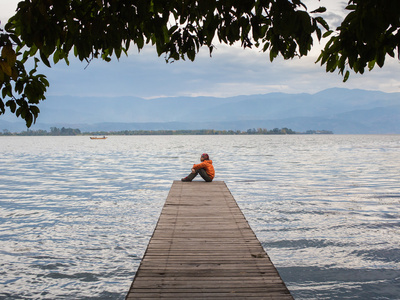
54 131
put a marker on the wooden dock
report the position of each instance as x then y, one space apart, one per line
203 248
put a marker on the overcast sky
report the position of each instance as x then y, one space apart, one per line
230 71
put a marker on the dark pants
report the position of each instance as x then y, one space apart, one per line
202 173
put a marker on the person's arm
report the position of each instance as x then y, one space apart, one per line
198 166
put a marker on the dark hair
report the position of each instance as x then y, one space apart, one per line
205 156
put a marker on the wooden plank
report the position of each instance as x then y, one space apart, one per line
203 248
206 295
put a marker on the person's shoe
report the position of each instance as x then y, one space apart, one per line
185 179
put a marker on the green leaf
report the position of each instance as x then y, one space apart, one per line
371 64
12 105
28 119
33 50
173 29
331 64
35 111
326 34
7 91
19 112
273 54
56 56
118 52
9 54
380 59
319 10
351 7
6 68
2 107
19 87
44 80
44 59
266 46
318 31
324 24
139 42
66 60
346 76
15 39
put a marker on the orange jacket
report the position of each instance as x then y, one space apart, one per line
207 165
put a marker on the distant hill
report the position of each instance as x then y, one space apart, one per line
342 111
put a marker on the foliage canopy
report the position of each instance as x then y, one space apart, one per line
45 30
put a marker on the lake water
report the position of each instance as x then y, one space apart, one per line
76 214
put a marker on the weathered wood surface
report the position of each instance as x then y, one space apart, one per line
203 248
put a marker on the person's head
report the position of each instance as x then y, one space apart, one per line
204 157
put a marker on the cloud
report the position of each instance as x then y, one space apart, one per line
7 9
230 71
335 10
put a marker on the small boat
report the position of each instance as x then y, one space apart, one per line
98 137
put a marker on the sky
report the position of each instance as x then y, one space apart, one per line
231 71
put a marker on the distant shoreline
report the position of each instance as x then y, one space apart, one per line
76 132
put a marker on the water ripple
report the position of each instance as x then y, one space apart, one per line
76 215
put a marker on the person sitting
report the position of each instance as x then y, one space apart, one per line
205 169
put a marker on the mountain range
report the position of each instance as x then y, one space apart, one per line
343 111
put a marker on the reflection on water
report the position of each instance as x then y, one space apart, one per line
76 214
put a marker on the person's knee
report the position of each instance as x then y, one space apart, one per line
204 175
